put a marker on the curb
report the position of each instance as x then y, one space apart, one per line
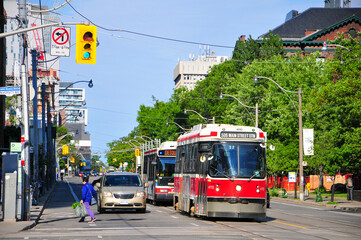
35 222
355 209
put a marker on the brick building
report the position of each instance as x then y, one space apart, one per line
307 31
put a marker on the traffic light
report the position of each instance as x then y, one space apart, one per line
65 150
86 44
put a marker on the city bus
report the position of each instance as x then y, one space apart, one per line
220 171
158 172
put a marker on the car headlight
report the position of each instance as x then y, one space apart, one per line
107 194
163 190
139 194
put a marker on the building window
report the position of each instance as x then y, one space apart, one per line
352 32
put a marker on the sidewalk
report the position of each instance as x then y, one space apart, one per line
35 213
343 203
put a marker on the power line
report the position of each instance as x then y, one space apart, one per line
150 35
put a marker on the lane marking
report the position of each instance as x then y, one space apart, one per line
110 228
174 217
295 205
290 224
195 224
72 191
159 211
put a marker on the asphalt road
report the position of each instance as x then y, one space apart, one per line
284 220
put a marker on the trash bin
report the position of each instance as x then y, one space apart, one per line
284 193
319 197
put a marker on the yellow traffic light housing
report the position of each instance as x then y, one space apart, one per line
65 150
86 44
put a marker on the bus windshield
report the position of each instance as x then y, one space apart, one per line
238 160
166 167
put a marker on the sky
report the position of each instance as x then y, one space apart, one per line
130 68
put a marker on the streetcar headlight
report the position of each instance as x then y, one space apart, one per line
238 188
217 188
257 190
107 194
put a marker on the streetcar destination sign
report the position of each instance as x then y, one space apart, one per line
238 135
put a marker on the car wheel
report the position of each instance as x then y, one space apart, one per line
100 209
141 210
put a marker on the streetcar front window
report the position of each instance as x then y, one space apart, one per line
166 167
238 160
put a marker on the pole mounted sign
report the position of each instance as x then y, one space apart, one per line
9 91
60 41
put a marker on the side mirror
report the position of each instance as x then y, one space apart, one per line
146 185
97 185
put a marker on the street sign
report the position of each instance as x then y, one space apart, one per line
9 91
291 176
15 147
60 41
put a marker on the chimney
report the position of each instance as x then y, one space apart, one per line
332 3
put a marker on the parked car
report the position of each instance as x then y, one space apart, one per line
121 190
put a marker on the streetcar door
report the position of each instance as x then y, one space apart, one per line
203 186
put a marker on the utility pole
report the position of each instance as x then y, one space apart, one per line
34 61
2 73
302 190
25 153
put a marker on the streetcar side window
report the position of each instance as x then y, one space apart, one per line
178 160
145 167
193 160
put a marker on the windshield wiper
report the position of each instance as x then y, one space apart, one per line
252 177
223 174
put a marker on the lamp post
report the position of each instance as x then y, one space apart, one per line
244 105
184 129
325 46
188 110
90 84
300 134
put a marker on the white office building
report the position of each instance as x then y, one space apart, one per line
188 73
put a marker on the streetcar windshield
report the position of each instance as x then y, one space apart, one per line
238 160
166 168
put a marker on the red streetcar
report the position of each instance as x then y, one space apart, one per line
220 171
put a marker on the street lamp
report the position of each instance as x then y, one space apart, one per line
184 129
142 137
244 105
299 111
325 46
90 84
188 110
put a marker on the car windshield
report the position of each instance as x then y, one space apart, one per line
238 160
122 180
166 167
